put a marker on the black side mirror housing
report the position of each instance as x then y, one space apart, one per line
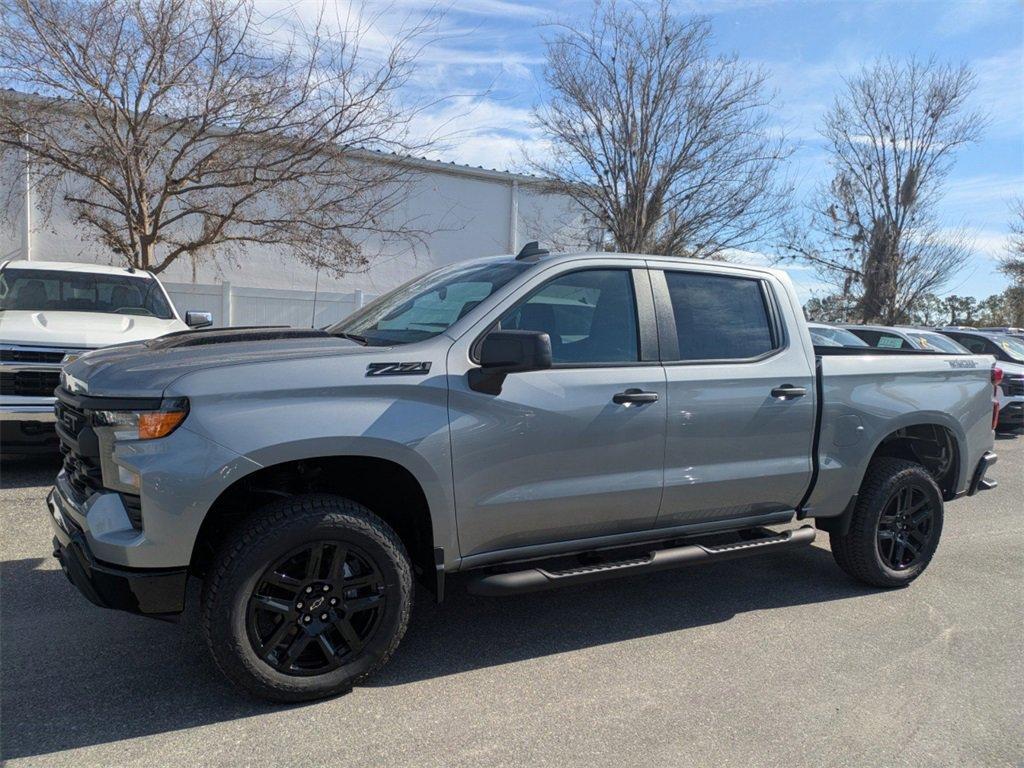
505 352
195 319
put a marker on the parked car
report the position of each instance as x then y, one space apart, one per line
1009 353
824 335
532 421
1017 333
50 312
898 337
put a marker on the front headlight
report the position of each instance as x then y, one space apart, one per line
113 427
144 425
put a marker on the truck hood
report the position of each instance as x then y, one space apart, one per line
146 369
80 330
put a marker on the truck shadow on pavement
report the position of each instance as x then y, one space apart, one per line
74 675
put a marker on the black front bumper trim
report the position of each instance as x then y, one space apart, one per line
155 592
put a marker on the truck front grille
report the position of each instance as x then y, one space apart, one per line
80 449
29 383
1013 386
29 355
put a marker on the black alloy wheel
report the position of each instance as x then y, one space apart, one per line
905 527
894 526
307 597
315 608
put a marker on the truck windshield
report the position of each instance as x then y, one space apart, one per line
827 336
60 291
936 342
1012 347
428 305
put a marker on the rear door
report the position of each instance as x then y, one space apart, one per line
740 396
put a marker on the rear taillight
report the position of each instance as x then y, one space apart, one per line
997 377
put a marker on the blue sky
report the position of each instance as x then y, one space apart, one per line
488 61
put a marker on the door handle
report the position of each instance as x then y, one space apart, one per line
635 396
788 392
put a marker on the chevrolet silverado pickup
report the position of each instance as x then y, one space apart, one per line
51 312
529 421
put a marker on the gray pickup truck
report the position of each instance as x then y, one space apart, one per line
528 421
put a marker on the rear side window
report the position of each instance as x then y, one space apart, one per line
719 317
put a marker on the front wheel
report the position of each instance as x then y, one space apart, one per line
308 597
895 527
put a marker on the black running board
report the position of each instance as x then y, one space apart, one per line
534 579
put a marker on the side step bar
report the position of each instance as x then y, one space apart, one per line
533 579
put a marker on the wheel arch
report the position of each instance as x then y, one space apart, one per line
934 443
397 485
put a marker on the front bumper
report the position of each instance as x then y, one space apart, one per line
39 412
156 592
27 425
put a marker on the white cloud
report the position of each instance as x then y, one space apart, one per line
985 189
1000 91
964 16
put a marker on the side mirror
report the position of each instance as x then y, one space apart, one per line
198 319
505 352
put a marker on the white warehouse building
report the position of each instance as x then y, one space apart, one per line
466 212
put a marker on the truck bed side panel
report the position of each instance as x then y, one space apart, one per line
866 398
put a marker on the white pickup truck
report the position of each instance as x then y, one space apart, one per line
51 312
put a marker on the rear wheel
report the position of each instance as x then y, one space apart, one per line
307 598
895 527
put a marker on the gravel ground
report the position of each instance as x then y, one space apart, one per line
779 660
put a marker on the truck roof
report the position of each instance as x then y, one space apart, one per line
558 257
72 266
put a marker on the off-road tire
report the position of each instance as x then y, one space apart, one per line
858 552
255 546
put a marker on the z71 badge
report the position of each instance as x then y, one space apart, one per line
398 369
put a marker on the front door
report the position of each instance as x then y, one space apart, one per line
740 397
570 452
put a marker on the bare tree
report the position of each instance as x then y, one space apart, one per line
892 135
1012 264
667 146
179 127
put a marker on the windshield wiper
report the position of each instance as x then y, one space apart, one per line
353 337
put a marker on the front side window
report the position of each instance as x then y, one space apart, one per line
59 291
719 317
429 305
590 316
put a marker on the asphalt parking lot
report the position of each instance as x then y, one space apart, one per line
780 660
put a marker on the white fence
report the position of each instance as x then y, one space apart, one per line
238 306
